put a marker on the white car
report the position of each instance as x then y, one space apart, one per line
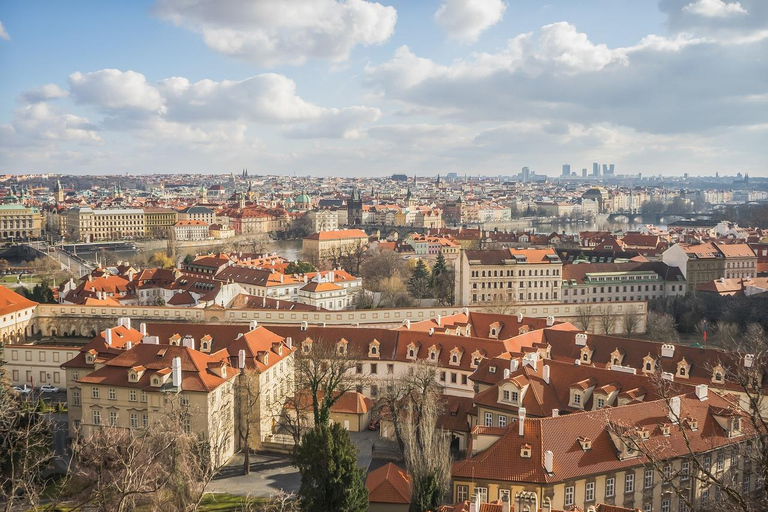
22 390
47 388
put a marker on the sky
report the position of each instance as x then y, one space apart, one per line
364 88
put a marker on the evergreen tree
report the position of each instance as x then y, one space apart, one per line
299 267
330 478
418 284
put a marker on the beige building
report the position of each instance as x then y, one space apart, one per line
18 222
159 221
85 224
513 275
326 244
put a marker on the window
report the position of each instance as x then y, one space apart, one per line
502 421
610 487
648 479
96 417
665 505
462 493
132 395
112 394
483 493
629 482
569 495
134 420
488 419
76 397
94 392
589 491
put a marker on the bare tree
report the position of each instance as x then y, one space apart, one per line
585 314
745 366
661 326
414 404
500 306
607 318
631 323
25 451
326 370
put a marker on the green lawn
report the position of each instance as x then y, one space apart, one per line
226 502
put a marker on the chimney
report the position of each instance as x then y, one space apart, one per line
702 391
143 328
674 409
545 373
254 324
176 370
550 321
555 413
241 359
521 421
108 336
439 320
289 342
188 342
549 461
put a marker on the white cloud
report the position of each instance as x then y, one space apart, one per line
39 122
714 8
44 93
270 32
4 33
467 19
115 89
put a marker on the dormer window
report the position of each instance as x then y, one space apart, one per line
683 369
525 451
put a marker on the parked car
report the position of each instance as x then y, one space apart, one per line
22 390
47 388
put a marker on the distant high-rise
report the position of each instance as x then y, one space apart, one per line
566 170
595 169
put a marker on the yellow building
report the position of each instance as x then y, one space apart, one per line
18 222
159 221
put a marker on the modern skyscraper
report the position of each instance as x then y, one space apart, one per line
566 170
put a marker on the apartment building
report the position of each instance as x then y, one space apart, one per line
705 262
514 275
620 282
159 221
85 224
573 460
19 222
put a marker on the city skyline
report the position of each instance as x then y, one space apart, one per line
344 88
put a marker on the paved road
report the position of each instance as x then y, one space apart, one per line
272 473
